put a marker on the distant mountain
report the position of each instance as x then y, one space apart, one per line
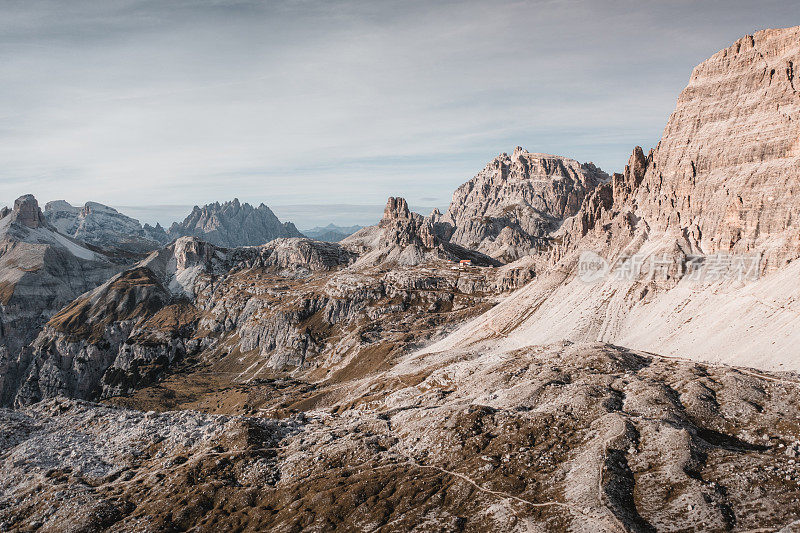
40 271
233 224
512 207
331 232
104 226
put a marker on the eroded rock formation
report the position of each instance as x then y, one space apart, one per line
103 226
511 208
233 224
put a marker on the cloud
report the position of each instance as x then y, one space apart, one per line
150 103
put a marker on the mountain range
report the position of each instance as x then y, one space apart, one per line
561 350
331 232
229 225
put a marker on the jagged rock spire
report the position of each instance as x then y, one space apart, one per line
27 212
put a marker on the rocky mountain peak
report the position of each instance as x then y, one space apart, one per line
402 227
716 173
509 209
102 226
26 212
233 224
396 208
626 183
190 252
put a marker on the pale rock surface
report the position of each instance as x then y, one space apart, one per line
565 437
233 224
727 169
511 207
407 238
724 179
40 271
501 426
103 226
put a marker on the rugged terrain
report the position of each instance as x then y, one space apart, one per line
590 366
562 437
515 204
316 310
233 224
104 226
40 272
718 193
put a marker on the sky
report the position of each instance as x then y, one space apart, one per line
323 109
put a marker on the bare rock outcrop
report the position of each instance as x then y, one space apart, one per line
724 177
40 271
407 238
103 226
233 224
728 163
27 213
697 241
403 228
513 205
566 437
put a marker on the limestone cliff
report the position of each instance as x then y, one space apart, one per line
103 226
687 228
510 208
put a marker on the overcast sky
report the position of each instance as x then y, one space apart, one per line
159 105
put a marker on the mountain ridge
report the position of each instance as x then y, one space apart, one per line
232 224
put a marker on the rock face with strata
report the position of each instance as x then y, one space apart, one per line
233 224
292 305
726 169
137 319
26 212
686 229
390 390
40 271
404 228
513 205
103 226
407 238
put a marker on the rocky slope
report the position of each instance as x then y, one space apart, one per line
726 171
557 438
104 226
407 238
40 271
683 234
233 224
387 389
311 309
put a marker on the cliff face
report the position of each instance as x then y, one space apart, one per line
513 205
103 226
726 169
685 230
512 422
233 224
291 306
40 271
